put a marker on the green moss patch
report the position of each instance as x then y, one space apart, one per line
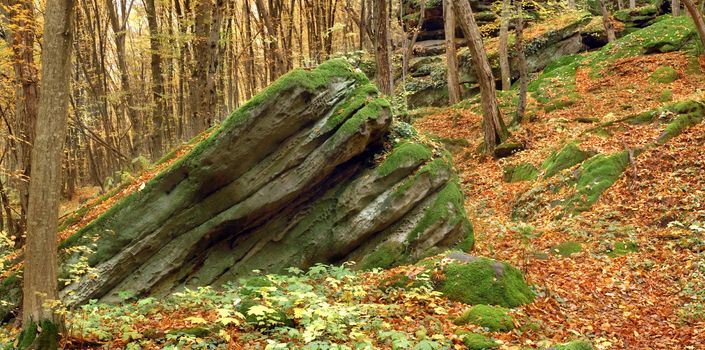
622 248
484 281
405 154
520 172
597 174
475 341
689 113
567 249
384 256
666 95
567 157
494 318
664 75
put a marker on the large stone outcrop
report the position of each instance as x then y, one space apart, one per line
306 172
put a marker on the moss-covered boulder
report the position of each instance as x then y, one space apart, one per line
308 171
520 172
494 318
477 280
596 175
574 345
639 17
476 341
664 75
506 149
567 157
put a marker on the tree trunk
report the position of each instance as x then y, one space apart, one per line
571 4
521 64
157 80
40 279
620 4
503 49
451 55
697 19
382 54
676 8
412 41
607 22
632 4
494 129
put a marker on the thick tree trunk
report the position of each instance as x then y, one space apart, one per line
632 4
40 278
382 50
157 80
451 54
697 19
503 46
522 65
495 130
607 22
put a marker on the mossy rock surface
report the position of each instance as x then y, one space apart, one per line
478 280
506 149
475 341
574 345
520 172
567 249
567 157
664 75
596 175
494 318
309 171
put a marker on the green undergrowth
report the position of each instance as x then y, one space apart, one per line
574 345
567 249
326 307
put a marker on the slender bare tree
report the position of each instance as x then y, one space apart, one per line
494 128
521 64
503 46
382 49
451 55
607 22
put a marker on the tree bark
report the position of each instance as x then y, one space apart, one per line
40 279
157 80
522 65
382 54
632 4
609 29
697 19
411 42
676 8
503 46
451 55
494 129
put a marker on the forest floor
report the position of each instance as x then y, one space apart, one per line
650 298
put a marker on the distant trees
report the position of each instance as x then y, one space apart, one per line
493 126
40 323
503 45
